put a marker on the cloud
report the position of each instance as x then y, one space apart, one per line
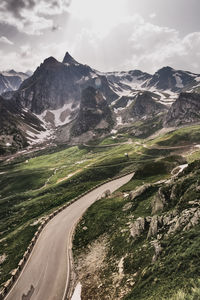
152 15
55 27
132 44
29 58
31 16
26 51
5 40
137 44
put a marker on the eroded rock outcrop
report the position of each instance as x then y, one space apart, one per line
185 110
159 201
94 113
138 227
139 191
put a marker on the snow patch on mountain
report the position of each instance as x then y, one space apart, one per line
119 120
179 82
39 137
58 117
12 73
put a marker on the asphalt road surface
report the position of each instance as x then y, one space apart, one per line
46 272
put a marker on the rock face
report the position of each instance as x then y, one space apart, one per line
139 191
159 202
51 86
15 123
11 80
55 84
143 106
175 207
94 113
68 59
169 79
138 227
185 110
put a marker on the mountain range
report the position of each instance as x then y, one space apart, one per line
73 103
11 80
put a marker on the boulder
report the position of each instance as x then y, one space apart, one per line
138 227
158 202
139 191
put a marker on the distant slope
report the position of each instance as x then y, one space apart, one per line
185 110
17 127
94 113
11 80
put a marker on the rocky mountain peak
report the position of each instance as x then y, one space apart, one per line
166 69
94 113
91 97
185 110
145 105
68 59
12 71
50 61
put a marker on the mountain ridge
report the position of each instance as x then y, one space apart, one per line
54 95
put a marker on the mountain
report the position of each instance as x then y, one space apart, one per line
166 84
127 81
168 79
11 80
53 92
68 59
18 127
94 114
144 106
185 110
54 95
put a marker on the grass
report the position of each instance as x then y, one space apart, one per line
176 268
180 137
32 187
179 264
175 273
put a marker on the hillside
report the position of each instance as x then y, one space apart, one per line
11 80
146 236
137 232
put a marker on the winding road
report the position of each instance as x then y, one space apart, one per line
47 272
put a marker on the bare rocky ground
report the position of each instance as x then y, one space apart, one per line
90 266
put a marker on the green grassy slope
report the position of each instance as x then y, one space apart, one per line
174 274
175 271
32 187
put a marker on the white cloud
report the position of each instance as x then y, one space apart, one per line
31 17
28 58
131 44
136 44
152 15
5 40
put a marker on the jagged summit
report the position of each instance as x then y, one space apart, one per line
50 60
165 69
12 71
50 63
68 59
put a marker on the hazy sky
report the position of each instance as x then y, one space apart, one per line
105 34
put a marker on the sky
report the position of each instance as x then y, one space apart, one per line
108 35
